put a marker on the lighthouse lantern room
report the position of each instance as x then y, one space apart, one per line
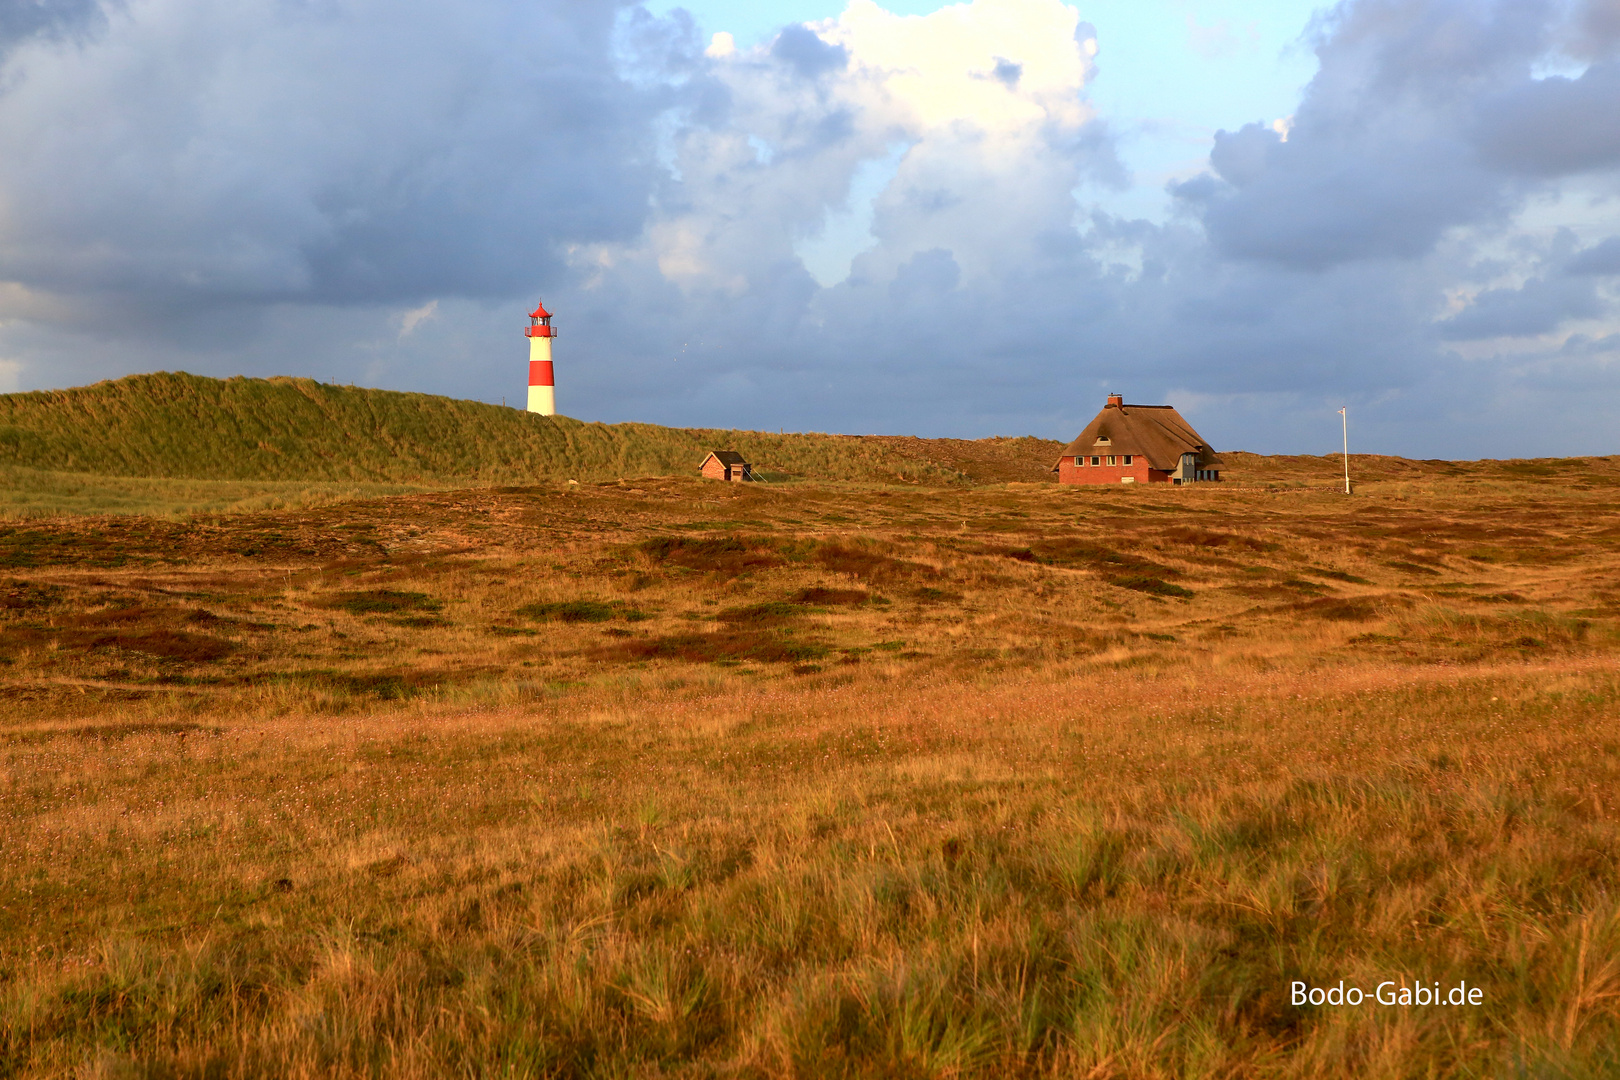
542 387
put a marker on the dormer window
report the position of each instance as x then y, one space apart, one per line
1103 440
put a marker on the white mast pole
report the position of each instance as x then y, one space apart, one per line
1345 417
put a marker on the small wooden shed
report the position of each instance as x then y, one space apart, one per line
726 465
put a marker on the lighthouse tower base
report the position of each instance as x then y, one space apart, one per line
543 400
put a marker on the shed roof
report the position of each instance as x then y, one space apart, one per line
1157 432
724 457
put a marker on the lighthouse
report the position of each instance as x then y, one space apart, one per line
542 387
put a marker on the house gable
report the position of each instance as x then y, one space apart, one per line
726 465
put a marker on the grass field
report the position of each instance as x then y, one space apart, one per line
661 777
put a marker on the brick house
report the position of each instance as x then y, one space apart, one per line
1137 444
726 465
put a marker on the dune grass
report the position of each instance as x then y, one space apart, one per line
179 426
675 778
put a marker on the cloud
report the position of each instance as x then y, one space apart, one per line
415 317
260 152
1602 258
1539 306
1554 126
360 190
21 20
721 45
802 50
1383 155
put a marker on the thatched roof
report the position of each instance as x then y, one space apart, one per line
1157 432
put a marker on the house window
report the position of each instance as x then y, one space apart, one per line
1096 461
1128 458
1110 459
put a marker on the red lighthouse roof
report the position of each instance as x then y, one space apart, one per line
539 312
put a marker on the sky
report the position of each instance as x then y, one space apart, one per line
905 217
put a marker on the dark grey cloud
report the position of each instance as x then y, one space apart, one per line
803 51
21 20
1554 126
929 277
1538 306
290 153
1584 345
1404 134
1319 199
1601 258
1007 72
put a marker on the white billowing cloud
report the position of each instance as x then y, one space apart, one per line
415 317
1002 66
972 119
844 210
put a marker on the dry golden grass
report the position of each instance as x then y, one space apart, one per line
668 777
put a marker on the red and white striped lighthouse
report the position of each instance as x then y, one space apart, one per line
542 386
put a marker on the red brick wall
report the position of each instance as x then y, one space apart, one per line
713 470
1069 473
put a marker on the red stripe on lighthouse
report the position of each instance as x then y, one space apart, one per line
540 373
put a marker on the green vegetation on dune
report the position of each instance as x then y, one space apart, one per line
179 426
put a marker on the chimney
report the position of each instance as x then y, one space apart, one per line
1115 400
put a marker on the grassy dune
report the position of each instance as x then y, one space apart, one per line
674 778
177 444
186 427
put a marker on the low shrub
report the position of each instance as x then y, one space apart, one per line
383 602
582 611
